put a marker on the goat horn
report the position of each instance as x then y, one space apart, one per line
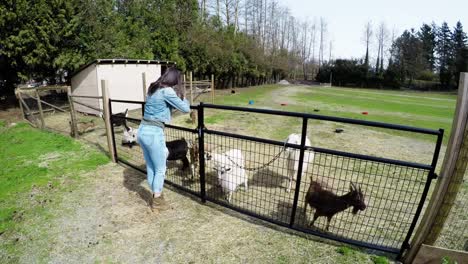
353 187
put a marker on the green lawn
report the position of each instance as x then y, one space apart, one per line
35 167
419 109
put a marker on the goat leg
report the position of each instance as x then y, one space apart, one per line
229 196
315 218
328 223
245 184
185 163
192 169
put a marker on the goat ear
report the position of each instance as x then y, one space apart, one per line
228 169
126 112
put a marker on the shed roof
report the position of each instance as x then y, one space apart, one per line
122 61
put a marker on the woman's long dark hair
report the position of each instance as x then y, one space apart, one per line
170 78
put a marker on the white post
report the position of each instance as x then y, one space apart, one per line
143 78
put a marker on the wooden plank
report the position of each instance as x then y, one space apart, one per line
212 89
18 95
41 113
436 255
191 88
86 96
83 104
107 115
37 112
51 105
434 219
74 125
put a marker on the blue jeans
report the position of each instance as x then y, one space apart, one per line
153 143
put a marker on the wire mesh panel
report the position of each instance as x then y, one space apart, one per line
265 193
390 194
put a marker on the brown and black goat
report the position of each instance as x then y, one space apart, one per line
178 150
326 203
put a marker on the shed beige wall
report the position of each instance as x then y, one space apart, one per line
125 82
84 83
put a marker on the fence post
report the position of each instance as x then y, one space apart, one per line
212 89
39 105
107 119
201 152
452 171
299 171
191 88
27 109
18 95
74 124
143 79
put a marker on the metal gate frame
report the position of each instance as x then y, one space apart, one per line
201 130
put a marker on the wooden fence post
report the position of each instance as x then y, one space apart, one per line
191 88
39 105
74 123
107 115
18 95
212 89
143 78
448 184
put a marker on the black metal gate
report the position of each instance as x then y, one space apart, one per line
395 189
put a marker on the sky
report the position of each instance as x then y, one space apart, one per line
346 18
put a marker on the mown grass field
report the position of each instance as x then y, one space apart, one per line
418 109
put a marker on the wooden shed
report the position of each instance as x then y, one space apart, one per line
124 80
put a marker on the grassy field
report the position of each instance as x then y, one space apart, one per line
37 169
419 109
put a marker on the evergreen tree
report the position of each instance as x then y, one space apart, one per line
460 58
445 58
427 36
407 54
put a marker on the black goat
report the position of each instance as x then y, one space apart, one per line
178 150
328 204
119 119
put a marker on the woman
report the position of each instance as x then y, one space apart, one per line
163 96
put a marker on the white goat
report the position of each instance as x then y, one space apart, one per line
230 174
292 155
130 136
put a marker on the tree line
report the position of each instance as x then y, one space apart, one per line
429 58
241 42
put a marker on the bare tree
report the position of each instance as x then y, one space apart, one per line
382 38
367 40
323 30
